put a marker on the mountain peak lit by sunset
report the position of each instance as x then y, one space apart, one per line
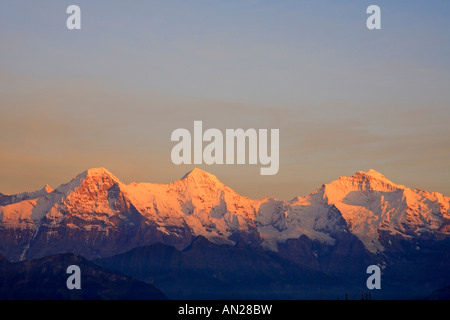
368 201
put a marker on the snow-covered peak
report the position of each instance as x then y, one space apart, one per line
199 183
99 172
372 180
201 175
93 179
373 175
370 202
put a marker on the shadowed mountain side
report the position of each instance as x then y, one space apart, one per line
205 270
45 279
346 258
440 294
420 268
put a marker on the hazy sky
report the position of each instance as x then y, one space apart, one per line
344 98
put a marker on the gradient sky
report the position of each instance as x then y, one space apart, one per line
344 98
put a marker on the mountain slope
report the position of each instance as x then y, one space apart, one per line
371 205
366 204
205 270
10 199
200 203
45 279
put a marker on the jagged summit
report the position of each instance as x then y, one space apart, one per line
201 175
198 182
99 172
371 173
15 198
372 180
374 175
30 194
94 176
47 189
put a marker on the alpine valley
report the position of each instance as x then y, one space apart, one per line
196 238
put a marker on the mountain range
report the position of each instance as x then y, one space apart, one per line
335 232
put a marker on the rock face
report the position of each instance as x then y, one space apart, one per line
340 228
